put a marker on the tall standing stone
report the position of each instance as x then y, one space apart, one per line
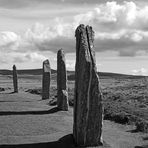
46 79
15 81
62 95
88 110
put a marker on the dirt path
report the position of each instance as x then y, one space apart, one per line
28 121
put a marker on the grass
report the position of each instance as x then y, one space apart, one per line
125 99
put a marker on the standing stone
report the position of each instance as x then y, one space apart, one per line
46 79
62 95
15 81
88 110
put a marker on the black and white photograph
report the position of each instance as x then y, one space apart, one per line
73 73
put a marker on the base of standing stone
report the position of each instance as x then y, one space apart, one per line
46 86
99 145
62 95
15 92
63 103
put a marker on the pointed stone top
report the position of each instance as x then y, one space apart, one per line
82 28
14 67
46 61
60 51
46 66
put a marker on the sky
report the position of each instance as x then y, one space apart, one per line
32 31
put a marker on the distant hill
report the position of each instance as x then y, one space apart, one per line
24 71
109 74
106 75
71 74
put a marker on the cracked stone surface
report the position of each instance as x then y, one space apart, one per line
46 79
88 110
62 95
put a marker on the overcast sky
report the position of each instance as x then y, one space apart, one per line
33 30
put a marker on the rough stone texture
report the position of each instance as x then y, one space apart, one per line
46 79
15 81
62 95
88 110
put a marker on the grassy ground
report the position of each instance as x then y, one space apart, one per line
25 118
125 98
126 101
26 121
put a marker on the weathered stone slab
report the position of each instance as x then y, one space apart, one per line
62 95
15 80
88 110
46 79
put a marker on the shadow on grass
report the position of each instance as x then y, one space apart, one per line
145 138
15 101
13 92
64 142
133 131
143 146
6 113
9 92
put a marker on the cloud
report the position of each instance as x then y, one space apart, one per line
127 52
15 57
9 40
70 64
141 71
17 4
13 4
116 19
118 27
51 38
35 56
